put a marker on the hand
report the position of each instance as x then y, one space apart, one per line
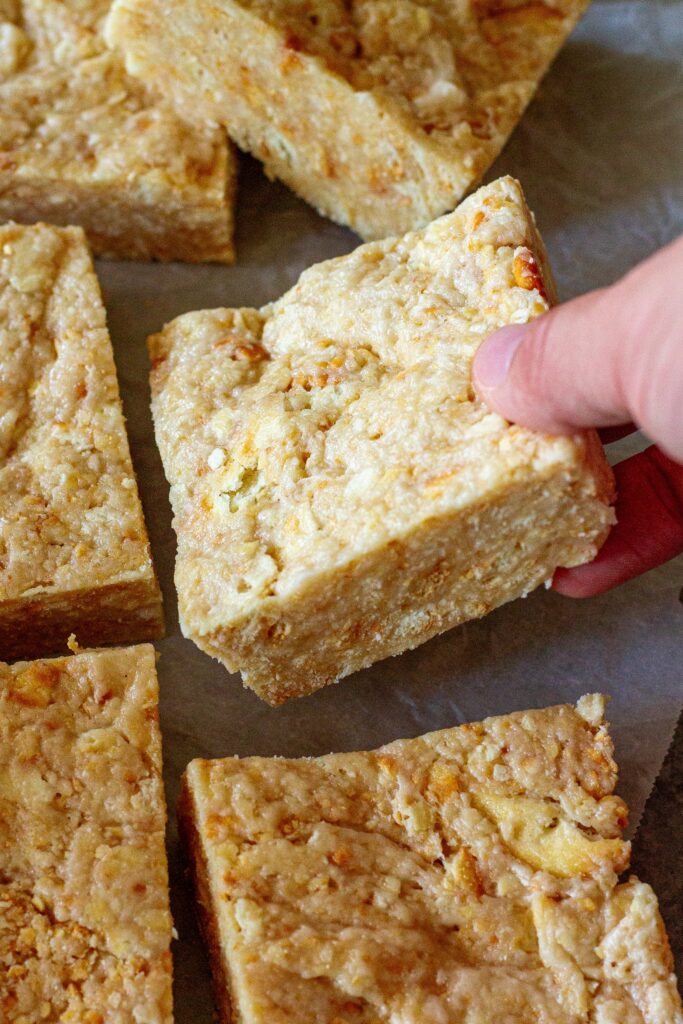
610 359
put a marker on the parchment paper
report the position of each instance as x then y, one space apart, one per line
599 154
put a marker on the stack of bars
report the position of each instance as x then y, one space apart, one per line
340 494
466 875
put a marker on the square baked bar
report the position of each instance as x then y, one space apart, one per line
381 113
85 926
83 143
74 553
340 493
469 875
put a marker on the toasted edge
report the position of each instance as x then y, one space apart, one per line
196 869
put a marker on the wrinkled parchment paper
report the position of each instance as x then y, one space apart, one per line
600 156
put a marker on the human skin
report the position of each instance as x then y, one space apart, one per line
611 359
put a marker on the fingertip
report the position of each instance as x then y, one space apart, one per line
493 359
582 581
505 378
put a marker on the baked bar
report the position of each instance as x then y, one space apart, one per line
74 554
83 143
381 113
85 926
340 493
466 875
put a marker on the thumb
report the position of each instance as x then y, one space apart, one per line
610 357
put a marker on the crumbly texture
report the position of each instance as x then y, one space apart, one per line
83 143
340 493
381 113
85 926
74 553
467 875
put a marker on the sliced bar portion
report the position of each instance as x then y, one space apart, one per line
83 143
381 113
466 875
340 493
74 553
85 926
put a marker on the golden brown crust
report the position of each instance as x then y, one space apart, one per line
109 614
340 493
381 113
469 873
74 552
197 872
